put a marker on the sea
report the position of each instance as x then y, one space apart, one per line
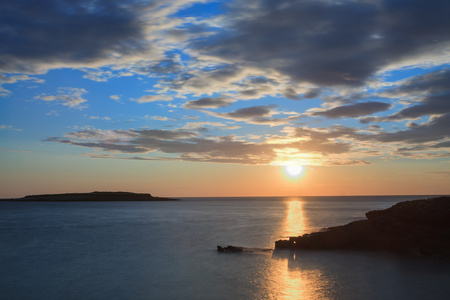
168 250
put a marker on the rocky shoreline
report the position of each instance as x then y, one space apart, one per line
418 227
94 196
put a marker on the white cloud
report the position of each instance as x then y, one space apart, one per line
153 98
68 96
159 118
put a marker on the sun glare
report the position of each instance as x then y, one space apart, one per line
293 171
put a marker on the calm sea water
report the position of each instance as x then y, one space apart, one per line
167 250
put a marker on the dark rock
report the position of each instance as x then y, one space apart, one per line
229 249
419 227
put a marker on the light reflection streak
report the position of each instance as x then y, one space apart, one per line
294 224
287 278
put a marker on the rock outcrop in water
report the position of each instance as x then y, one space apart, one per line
94 196
231 249
419 227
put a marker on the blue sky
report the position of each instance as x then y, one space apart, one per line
161 90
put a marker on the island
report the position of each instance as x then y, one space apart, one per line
417 227
94 196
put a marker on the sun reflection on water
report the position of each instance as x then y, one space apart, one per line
294 224
287 279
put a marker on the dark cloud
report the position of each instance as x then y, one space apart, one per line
432 91
251 112
431 83
209 102
311 94
163 134
162 67
291 93
45 32
261 115
436 129
431 105
353 110
442 145
330 43
262 80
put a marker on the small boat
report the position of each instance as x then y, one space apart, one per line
229 249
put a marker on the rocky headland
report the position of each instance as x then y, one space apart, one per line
418 227
94 196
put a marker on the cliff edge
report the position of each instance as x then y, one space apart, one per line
419 227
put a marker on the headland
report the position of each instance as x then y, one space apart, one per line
418 227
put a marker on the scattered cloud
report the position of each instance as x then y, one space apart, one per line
153 98
260 115
209 102
115 97
9 127
68 96
352 110
429 94
159 118
100 118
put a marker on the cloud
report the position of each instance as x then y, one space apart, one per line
9 127
159 118
153 98
251 112
100 118
336 145
187 144
13 79
40 35
202 126
68 96
98 75
260 115
429 94
209 102
353 110
329 43
115 98
291 93
169 65
435 130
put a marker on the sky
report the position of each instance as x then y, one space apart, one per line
225 98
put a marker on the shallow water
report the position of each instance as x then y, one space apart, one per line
167 250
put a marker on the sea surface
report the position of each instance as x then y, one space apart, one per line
167 250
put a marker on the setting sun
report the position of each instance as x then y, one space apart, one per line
293 170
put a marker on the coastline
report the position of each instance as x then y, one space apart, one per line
416 227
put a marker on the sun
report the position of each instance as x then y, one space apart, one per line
293 170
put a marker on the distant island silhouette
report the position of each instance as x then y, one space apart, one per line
94 196
418 227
